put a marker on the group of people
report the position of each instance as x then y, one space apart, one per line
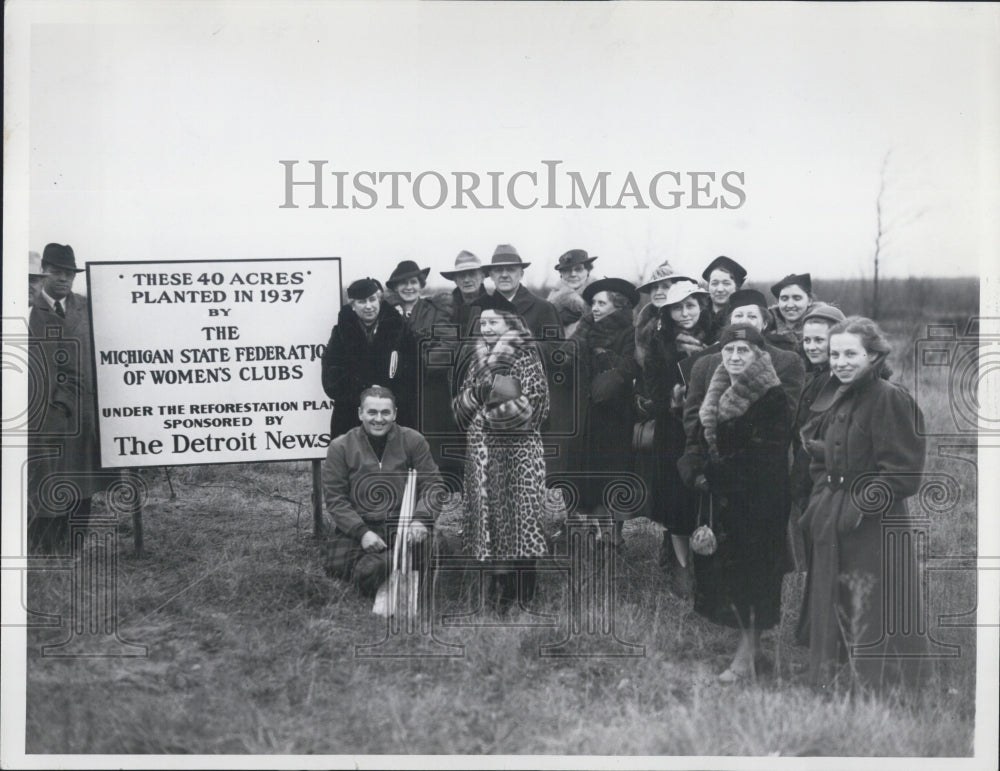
765 418
768 419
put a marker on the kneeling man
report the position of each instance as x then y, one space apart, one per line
364 476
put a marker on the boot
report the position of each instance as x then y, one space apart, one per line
529 582
666 558
507 591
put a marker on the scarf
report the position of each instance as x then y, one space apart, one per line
727 399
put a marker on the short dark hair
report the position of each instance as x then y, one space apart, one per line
619 301
377 392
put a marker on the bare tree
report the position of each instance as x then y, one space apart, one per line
879 232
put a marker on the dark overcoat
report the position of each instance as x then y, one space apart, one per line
740 585
351 364
435 332
870 459
672 503
602 449
63 447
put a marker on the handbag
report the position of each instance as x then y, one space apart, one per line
643 434
703 540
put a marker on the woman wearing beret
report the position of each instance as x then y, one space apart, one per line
604 344
501 403
370 345
795 300
574 276
672 327
867 457
739 455
723 276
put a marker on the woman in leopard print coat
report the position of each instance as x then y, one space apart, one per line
502 402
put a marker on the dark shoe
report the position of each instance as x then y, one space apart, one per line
507 583
666 558
529 583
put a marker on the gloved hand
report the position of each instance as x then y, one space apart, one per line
603 359
482 391
643 407
701 484
689 343
677 396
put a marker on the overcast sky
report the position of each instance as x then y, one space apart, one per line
155 132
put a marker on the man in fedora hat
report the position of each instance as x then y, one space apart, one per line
574 273
63 449
540 316
468 277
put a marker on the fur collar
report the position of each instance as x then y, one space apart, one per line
727 399
501 356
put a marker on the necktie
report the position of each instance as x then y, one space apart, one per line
59 309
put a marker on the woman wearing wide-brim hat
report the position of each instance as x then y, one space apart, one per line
574 269
600 452
666 336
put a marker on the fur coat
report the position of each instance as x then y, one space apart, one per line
504 485
352 363
741 446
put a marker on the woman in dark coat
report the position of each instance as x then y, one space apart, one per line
665 336
740 457
604 344
866 449
502 402
370 345
435 332
816 347
723 276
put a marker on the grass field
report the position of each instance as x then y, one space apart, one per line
251 648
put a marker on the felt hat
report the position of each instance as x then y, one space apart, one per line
737 271
804 280
407 269
493 302
824 312
465 261
741 332
505 254
742 297
574 257
34 264
682 290
662 271
363 288
620 285
59 256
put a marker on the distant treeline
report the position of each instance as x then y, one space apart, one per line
899 298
